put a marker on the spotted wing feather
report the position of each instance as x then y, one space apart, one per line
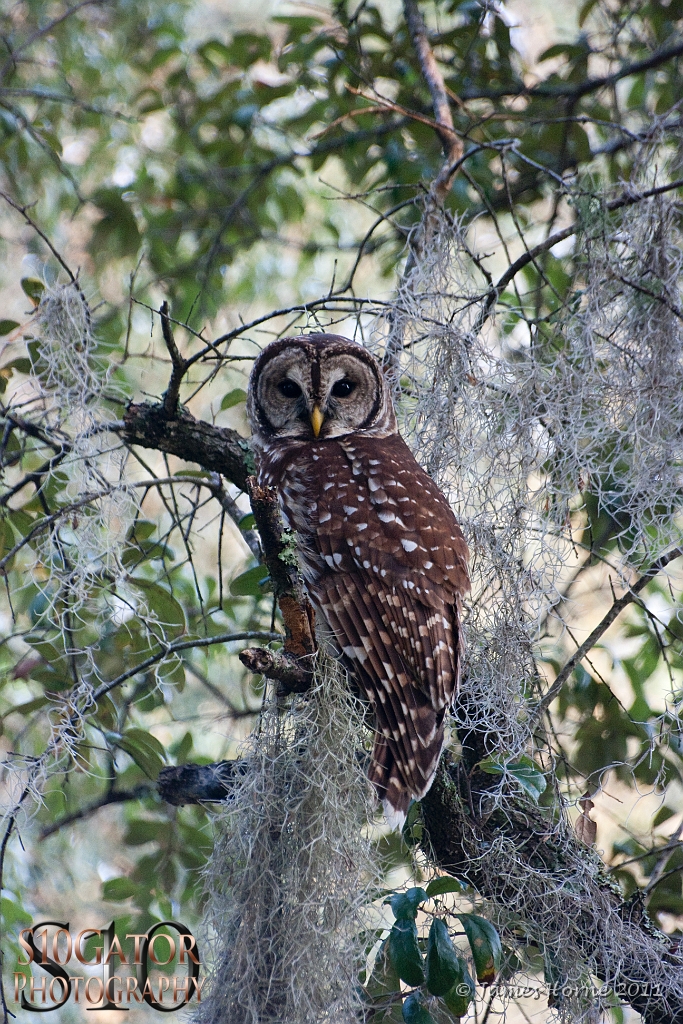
386 564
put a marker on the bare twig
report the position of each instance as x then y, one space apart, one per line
575 90
658 872
58 97
218 694
602 627
230 506
115 797
45 30
627 198
29 220
181 645
171 395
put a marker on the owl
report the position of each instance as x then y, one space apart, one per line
382 556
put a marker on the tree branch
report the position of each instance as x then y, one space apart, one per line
172 393
576 91
181 645
29 220
453 151
604 624
285 669
628 198
195 783
115 797
45 30
430 73
454 840
215 448
225 451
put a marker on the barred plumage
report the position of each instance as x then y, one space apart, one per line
383 557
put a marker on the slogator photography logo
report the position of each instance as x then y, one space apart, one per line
104 971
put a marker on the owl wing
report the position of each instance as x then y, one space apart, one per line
392 572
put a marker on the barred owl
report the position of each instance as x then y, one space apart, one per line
382 555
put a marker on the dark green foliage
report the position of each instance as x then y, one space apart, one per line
405 952
415 1012
485 944
443 963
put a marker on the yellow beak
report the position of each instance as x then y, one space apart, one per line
317 420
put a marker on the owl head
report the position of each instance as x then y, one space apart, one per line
318 386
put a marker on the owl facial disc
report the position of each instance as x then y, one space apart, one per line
318 387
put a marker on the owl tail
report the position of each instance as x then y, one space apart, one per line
398 781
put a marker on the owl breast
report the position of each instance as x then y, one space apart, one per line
385 564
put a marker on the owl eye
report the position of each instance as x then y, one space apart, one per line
289 389
343 388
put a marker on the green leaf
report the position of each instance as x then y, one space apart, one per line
150 765
141 831
13 912
405 904
298 23
234 397
21 364
34 288
585 11
525 772
6 537
168 610
251 583
442 885
415 1012
529 776
384 981
147 739
459 997
413 827
405 952
117 889
7 326
28 708
173 673
117 232
485 944
144 749
142 529
47 650
662 815
181 749
247 522
443 965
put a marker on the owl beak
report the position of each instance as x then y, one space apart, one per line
317 420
